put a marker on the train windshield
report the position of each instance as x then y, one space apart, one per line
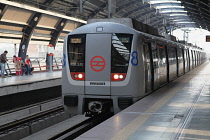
121 49
76 52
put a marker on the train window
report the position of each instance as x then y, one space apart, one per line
180 55
172 55
155 57
124 39
76 52
162 53
121 49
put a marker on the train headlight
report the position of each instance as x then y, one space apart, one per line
118 76
78 75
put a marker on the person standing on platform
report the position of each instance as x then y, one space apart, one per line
16 61
3 60
28 64
7 73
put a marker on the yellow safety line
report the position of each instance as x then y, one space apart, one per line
124 133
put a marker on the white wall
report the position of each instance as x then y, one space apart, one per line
34 50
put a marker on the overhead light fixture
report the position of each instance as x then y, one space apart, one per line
11 21
169 6
173 11
24 6
185 22
180 20
178 14
156 2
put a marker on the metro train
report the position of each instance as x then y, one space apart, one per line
108 66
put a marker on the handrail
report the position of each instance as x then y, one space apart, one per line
38 63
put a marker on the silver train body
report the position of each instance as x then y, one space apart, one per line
109 66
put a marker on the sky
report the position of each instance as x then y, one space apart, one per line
197 37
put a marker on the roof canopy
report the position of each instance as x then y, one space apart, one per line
166 15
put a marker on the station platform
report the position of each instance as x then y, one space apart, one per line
20 91
179 110
23 83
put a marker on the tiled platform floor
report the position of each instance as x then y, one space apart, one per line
177 111
14 80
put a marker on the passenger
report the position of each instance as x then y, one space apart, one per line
20 60
7 73
28 64
16 61
24 68
3 60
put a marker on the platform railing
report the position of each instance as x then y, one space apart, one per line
38 63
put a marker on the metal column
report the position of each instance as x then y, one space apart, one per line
81 6
54 37
109 8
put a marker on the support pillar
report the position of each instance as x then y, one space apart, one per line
109 8
54 37
81 6
27 33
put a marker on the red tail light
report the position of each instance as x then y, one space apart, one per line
118 76
78 75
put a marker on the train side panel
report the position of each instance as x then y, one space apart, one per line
124 95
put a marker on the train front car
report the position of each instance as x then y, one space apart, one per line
102 69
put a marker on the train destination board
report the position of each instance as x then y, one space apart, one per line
208 38
76 40
124 39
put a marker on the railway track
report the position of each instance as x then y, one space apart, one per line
26 111
70 128
27 121
29 106
82 127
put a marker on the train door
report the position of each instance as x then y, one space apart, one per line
155 57
199 57
180 61
167 62
198 62
192 60
98 64
163 64
189 60
196 59
148 68
184 60
172 59
177 61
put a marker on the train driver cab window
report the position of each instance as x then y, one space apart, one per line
76 52
120 55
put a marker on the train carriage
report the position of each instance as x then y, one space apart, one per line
108 66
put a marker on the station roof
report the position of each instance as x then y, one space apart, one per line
162 14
